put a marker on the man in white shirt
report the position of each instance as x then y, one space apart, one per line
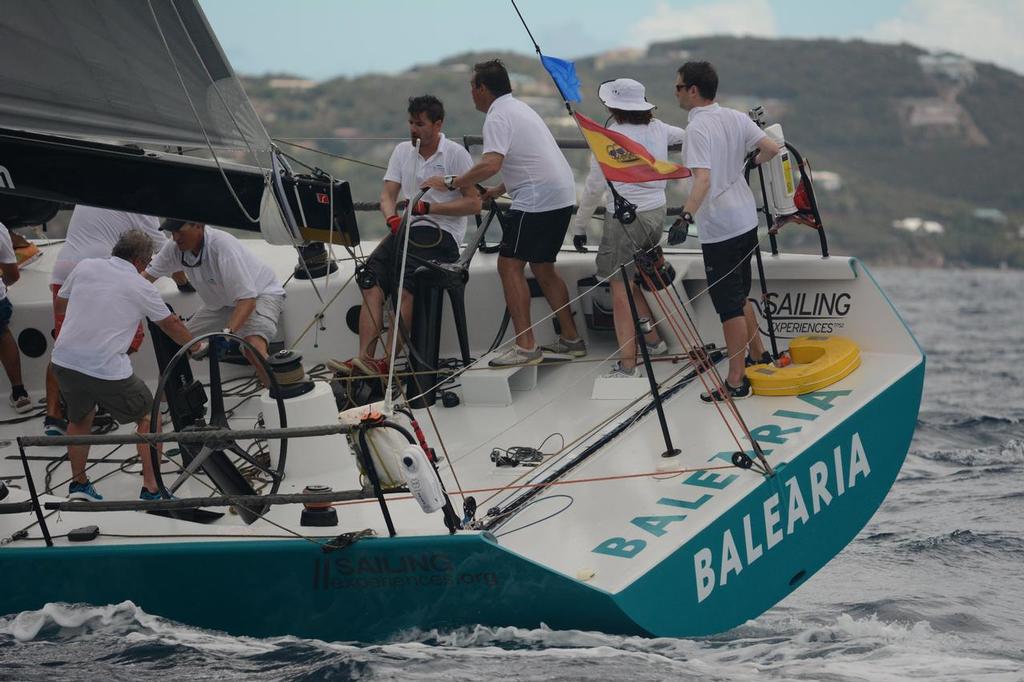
536 175
634 118
437 227
9 354
104 300
240 293
718 143
92 233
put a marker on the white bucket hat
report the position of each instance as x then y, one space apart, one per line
624 94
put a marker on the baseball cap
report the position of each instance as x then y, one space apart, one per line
172 224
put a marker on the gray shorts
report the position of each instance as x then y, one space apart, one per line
262 322
127 400
619 242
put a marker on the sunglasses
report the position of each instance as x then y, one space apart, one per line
681 86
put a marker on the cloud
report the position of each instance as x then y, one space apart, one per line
984 30
721 17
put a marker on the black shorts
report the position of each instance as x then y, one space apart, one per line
728 269
127 400
386 259
534 237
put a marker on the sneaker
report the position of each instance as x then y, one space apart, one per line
660 348
21 402
54 426
83 492
620 372
735 392
343 368
576 348
766 359
147 496
372 367
518 357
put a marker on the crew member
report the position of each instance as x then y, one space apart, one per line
536 175
92 233
104 300
634 118
240 293
438 226
718 144
9 354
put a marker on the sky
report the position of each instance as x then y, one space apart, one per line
321 39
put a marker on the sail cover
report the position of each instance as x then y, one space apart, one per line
137 71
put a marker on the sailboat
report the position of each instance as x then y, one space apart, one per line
541 493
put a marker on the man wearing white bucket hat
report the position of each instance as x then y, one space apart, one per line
634 118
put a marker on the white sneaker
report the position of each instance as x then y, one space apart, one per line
21 404
517 357
660 348
620 372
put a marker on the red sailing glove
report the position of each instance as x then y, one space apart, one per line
394 222
421 208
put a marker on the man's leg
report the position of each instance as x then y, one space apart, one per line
517 298
52 394
404 319
735 330
10 357
625 326
756 345
557 294
79 454
148 478
371 321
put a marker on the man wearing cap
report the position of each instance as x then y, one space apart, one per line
634 118
240 293
92 233
437 226
718 144
103 300
519 145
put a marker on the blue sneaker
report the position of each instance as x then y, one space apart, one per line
149 497
83 492
54 426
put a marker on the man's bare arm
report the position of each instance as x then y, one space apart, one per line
469 204
10 273
175 328
243 309
389 198
698 190
767 148
488 165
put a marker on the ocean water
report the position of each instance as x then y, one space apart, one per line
932 588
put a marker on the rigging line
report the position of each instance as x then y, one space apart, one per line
195 113
323 310
332 155
667 473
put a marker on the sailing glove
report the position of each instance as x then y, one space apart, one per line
421 208
394 222
580 242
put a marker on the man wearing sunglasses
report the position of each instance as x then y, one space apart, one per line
240 293
719 142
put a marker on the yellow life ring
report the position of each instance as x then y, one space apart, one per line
818 361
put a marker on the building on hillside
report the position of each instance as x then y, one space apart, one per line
291 83
949 66
828 181
990 215
623 55
918 226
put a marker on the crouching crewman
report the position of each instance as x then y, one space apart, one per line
103 301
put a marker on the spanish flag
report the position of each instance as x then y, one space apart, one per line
623 159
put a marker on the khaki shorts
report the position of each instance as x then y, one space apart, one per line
619 242
127 400
262 322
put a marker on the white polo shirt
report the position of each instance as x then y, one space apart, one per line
655 137
223 272
107 298
93 232
409 169
719 139
535 172
7 255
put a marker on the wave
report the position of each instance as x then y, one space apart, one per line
779 644
1010 453
960 541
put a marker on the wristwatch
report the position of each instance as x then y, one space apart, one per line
449 182
687 217
226 330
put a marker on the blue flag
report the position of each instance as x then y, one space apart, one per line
564 74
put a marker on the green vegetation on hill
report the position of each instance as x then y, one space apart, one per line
904 142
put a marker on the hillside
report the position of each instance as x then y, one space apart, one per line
910 135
